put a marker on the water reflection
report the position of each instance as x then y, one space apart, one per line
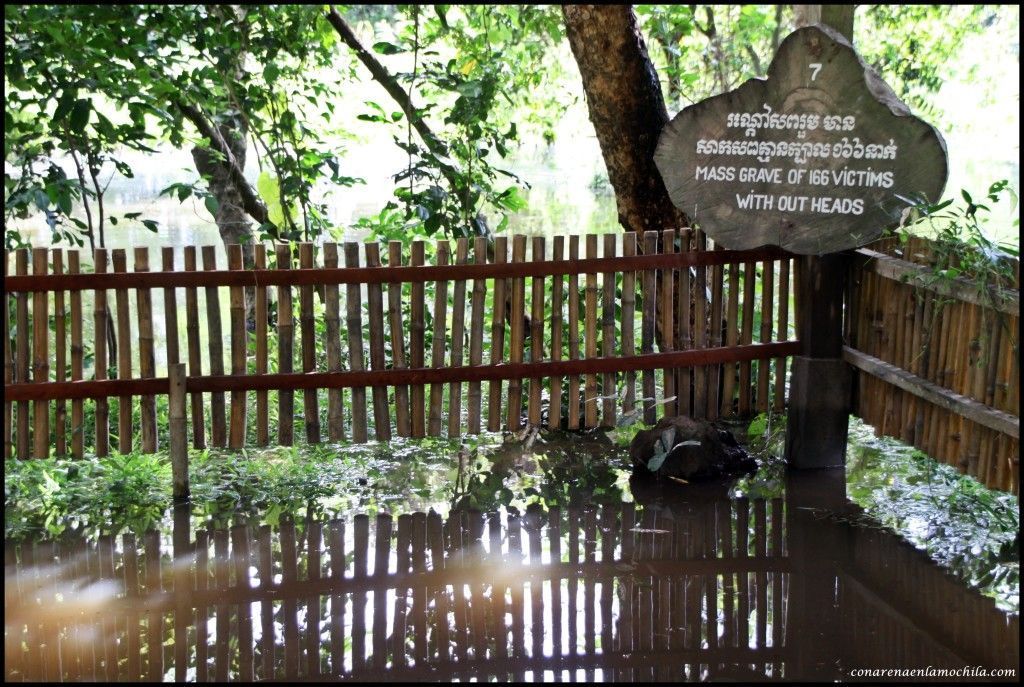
687 584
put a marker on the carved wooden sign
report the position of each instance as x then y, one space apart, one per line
816 158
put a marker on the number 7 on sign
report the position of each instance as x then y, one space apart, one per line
815 67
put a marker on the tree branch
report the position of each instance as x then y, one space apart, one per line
251 202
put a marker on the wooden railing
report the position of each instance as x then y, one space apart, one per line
700 308
939 362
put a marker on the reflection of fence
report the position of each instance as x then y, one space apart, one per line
472 596
703 309
939 364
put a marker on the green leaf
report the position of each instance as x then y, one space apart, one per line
64 105
80 114
151 224
385 48
211 204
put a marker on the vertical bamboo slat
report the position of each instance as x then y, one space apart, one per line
536 332
747 337
40 357
170 309
573 298
590 394
764 366
458 340
555 388
516 335
310 404
285 351
731 339
60 352
417 332
147 354
783 335
476 331
218 419
398 358
124 356
715 340
354 326
332 322
195 360
9 378
608 390
99 356
647 328
375 301
438 343
261 321
77 361
628 315
684 378
665 292
239 339
700 318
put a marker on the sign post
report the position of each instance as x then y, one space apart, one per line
818 158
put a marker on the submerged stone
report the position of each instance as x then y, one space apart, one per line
688 449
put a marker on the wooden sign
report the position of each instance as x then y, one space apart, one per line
818 157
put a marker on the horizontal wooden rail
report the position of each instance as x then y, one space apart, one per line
330 380
922 388
383 275
1004 300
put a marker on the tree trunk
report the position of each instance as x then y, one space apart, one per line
627 109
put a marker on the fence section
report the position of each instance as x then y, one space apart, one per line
938 361
482 338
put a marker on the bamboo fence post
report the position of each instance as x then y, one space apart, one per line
783 335
8 374
147 355
555 388
77 361
536 332
666 287
285 350
715 332
628 316
60 342
731 339
124 356
647 329
516 342
417 338
239 339
40 357
195 359
438 343
99 357
609 392
218 419
476 332
458 335
178 428
398 357
700 323
310 405
170 309
573 296
684 379
764 365
335 418
375 301
354 328
262 323
590 394
746 336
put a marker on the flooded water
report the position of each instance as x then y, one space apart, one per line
682 583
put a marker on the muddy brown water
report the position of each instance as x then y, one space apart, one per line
684 584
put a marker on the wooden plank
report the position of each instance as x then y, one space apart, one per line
574 334
746 337
218 419
647 328
590 394
285 350
458 336
945 398
731 339
310 404
666 287
77 362
124 356
417 338
239 353
375 301
195 360
398 358
628 316
262 319
555 388
60 353
536 332
764 366
476 331
779 403
516 335
609 392
438 343
147 354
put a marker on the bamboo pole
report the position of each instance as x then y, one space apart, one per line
783 335
536 332
649 292
438 343
747 336
417 330
516 334
332 344
590 338
261 318
555 389
684 376
310 403
60 349
666 287
628 316
574 334
375 301
398 341
700 339
354 326
124 356
497 336
767 319
77 361
8 373
609 392
458 339
218 420
285 350
173 350
239 339
715 332
147 354
476 330
195 360
731 339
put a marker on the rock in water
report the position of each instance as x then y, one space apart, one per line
688 449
